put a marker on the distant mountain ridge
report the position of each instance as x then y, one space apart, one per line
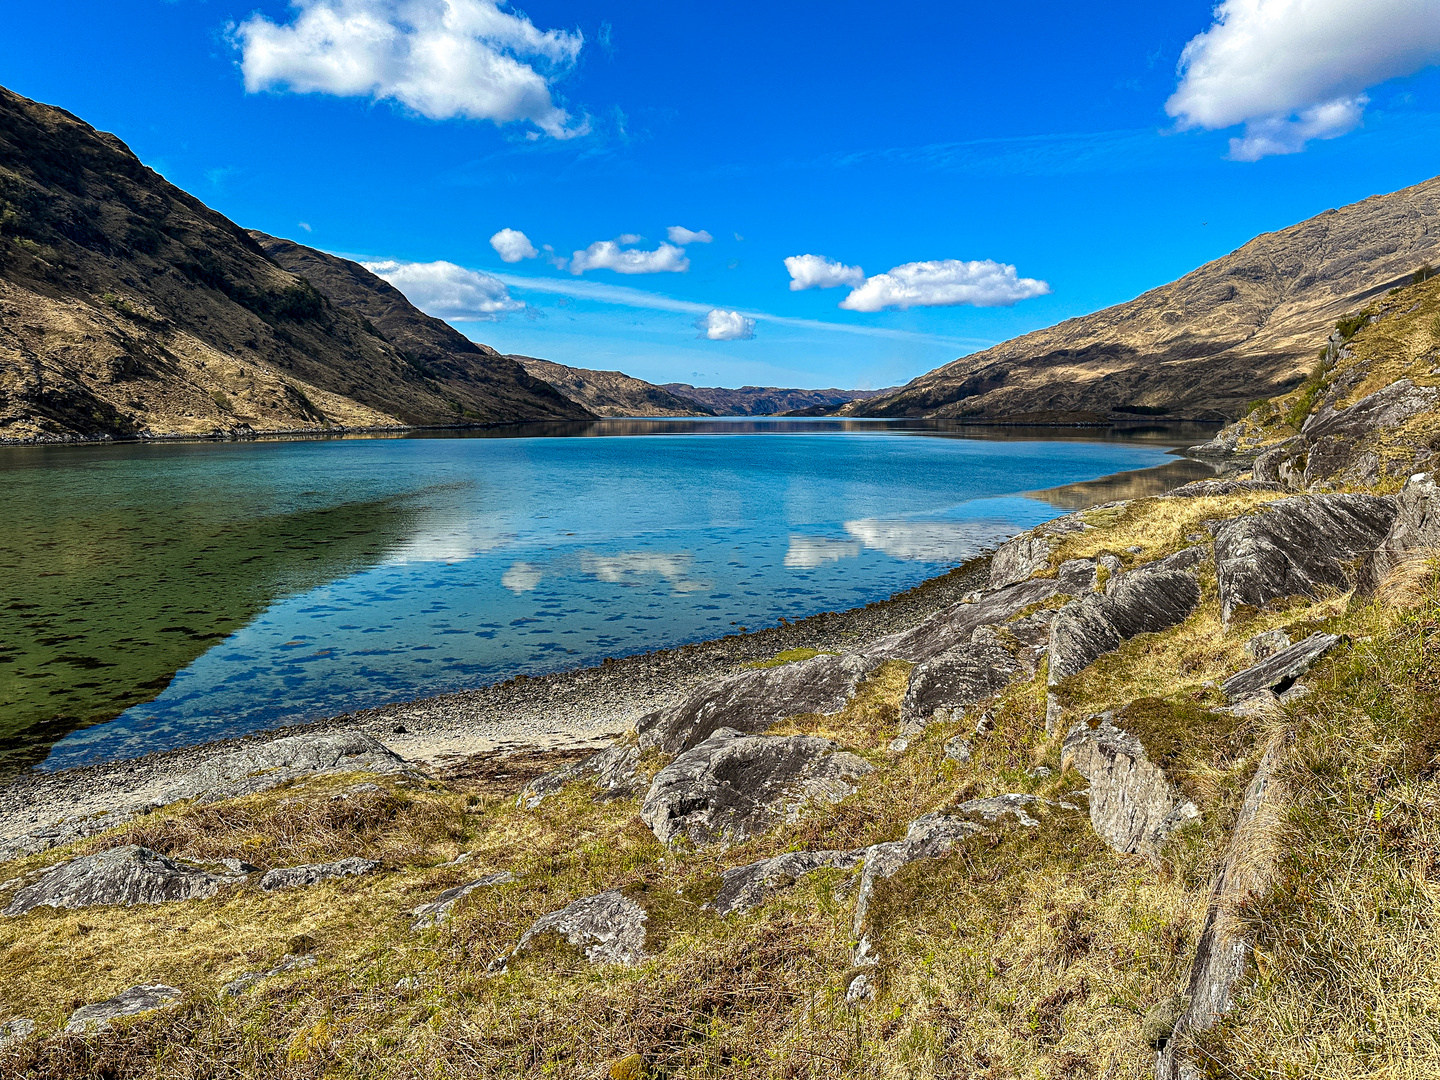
1237 329
612 393
768 400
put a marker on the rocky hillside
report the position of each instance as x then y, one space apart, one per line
1160 797
128 307
1204 347
612 393
769 400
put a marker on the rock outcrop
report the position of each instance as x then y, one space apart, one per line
1143 601
1297 547
750 701
263 766
1026 554
124 876
238 986
734 786
93 1019
746 887
1415 531
1224 947
942 688
15 1030
1279 670
438 910
291 877
1133 804
608 929
613 769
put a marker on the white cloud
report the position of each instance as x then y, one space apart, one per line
447 291
441 58
512 245
1296 70
678 234
944 283
305 225
808 552
521 577
721 325
818 272
609 255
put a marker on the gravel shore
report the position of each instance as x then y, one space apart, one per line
564 712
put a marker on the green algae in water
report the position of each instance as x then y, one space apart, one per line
101 604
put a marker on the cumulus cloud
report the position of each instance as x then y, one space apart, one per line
678 234
447 291
721 325
441 58
512 245
818 272
610 255
1296 70
944 283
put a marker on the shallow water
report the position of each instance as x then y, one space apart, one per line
158 595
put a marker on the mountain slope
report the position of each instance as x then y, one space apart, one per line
767 400
128 307
1239 328
612 393
487 385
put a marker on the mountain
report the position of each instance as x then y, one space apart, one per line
768 400
1237 329
612 393
488 386
128 307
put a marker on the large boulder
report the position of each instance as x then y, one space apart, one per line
1387 408
124 875
734 786
1280 669
438 910
608 928
1223 950
1028 553
1297 547
1221 488
1133 805
1282 464
1415 530
750 701
614 769
264 765
290 877
92 1019
1147 600
744 888
941 688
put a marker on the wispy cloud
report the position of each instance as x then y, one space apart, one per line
625 296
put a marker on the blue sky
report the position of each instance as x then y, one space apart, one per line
963 172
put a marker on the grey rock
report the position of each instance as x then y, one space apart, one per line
1387 408
91 1019
1146 600
1277 671
745 888
1133 805
124 875
615 769
752 700
1077 576
289 877
1297 547
956 624
1267 643
291 963
1223 948
931 836
942 688
958 749
734 786
438 910
898 746
1282 464
65 831
1026 554
1054 714
608 928
998 807
15 1030
1416 529
1209 489
260 767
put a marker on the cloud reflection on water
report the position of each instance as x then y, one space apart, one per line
625 567
928 541
808 552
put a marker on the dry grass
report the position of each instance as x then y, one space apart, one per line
1159 527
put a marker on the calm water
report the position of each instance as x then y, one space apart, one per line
152 596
